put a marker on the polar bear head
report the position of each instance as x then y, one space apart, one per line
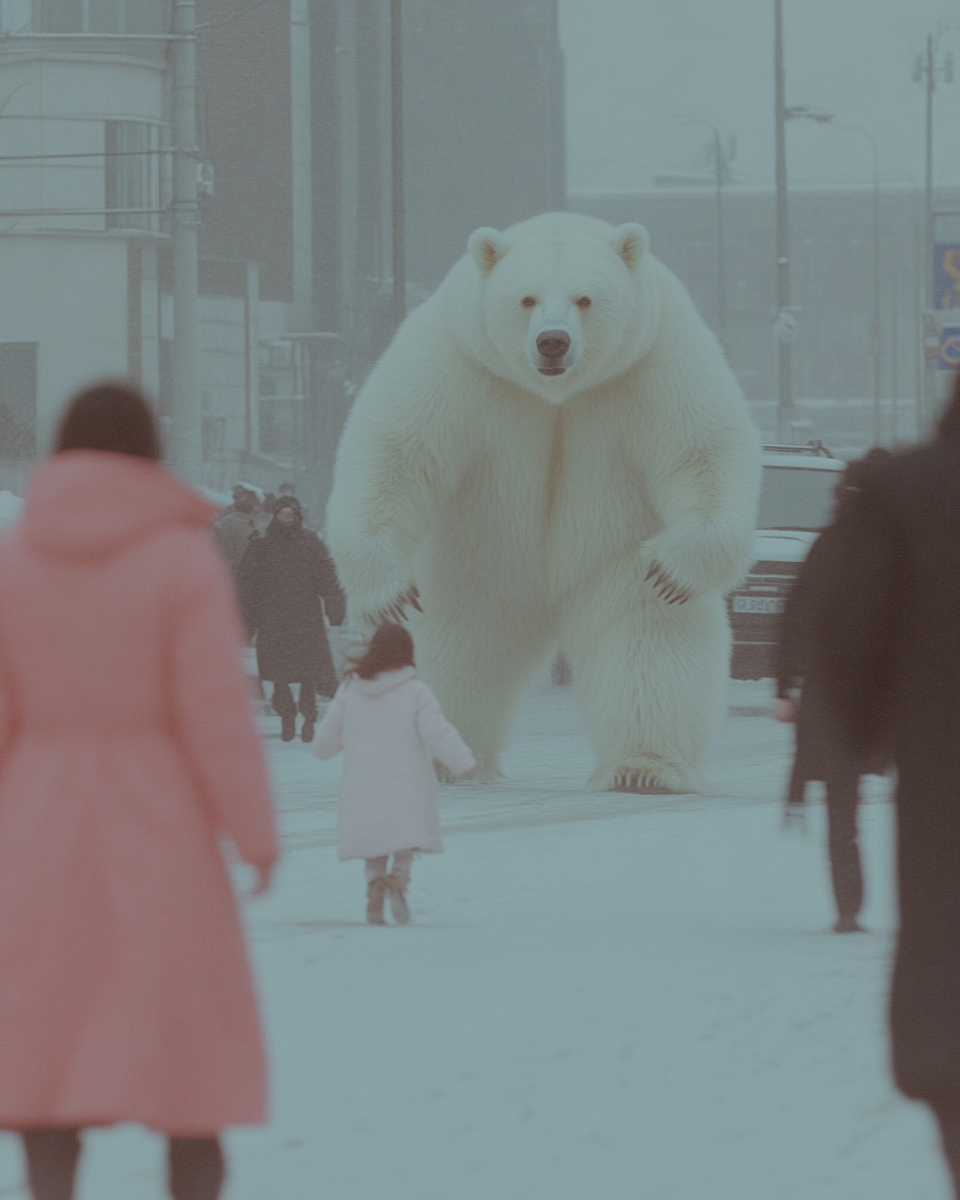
559 303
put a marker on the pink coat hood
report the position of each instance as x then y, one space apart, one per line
89 505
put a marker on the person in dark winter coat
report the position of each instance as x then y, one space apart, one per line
888 633
283 577
821 753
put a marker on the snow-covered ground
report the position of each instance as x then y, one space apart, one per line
602 997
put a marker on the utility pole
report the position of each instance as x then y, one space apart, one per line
875 318
784 323
397 221
720 167
927 70
187 429
722 157
930 79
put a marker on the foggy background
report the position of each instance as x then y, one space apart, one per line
631 66
340 142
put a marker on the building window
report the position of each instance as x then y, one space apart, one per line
18 399
132 174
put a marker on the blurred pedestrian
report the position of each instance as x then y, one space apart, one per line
821 753
889 635
284 576
388 724
127 750
237 525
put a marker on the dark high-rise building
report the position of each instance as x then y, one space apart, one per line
296 108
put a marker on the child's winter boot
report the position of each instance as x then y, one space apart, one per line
376 890
396 890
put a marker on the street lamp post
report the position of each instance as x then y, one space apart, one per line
929 70
785 323
397 221
875 313
782 326
722 157
187 421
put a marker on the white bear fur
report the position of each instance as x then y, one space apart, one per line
527 509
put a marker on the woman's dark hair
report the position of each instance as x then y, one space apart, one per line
390 648
112 416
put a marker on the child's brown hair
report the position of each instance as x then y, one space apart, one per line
390 648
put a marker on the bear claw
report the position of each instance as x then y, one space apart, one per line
640 783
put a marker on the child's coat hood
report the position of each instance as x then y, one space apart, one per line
385 681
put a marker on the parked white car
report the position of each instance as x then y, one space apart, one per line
796 502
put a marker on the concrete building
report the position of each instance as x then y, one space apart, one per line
82 188
295 121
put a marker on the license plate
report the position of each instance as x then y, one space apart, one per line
758 604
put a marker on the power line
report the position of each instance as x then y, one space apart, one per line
10 158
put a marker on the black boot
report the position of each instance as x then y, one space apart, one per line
288 726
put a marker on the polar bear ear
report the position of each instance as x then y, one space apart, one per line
486 247
631 242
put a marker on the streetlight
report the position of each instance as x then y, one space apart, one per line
185 399
397 223
875 318
930 70
722 157
785 321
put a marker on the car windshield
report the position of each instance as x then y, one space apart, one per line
794 498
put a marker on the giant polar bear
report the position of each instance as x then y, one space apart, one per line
554 450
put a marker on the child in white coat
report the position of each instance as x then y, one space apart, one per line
388 724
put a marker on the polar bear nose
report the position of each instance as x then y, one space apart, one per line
553 343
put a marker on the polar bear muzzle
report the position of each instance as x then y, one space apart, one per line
554 341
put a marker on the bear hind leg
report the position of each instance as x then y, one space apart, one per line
478 666
651 685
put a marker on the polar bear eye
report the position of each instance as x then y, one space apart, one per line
584 302
529 302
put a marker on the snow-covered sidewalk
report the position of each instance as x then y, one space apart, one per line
601 998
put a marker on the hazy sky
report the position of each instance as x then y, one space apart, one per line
631 64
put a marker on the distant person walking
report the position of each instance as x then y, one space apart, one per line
821 753
237 526
282 580
127 750
889 637
388 724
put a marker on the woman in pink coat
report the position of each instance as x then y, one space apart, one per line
388 724
127 751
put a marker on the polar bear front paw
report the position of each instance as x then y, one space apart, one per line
665 586
395 611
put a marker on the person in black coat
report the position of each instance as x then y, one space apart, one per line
283 577
888 633
821 753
